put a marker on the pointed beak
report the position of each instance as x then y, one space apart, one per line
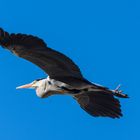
25 86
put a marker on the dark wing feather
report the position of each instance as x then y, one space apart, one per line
100 103
55 64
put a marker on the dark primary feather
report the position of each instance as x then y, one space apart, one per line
101 103
55 64
34 49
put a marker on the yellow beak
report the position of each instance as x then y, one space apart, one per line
25 86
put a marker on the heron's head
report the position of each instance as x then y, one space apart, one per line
33 85
39 85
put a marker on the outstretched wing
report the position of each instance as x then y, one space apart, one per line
55 64
99 103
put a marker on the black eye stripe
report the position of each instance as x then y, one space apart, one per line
39 79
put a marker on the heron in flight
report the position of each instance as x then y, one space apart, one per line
64 76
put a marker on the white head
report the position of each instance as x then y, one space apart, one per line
40 85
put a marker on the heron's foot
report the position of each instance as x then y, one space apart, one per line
119 93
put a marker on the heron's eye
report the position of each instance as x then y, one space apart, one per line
49 83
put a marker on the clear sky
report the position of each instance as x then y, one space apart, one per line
102 37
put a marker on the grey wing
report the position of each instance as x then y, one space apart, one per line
55 64
100 103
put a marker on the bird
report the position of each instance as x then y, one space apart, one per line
64 76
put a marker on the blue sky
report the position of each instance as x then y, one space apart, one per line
102 37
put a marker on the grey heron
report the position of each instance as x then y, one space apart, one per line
64 76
